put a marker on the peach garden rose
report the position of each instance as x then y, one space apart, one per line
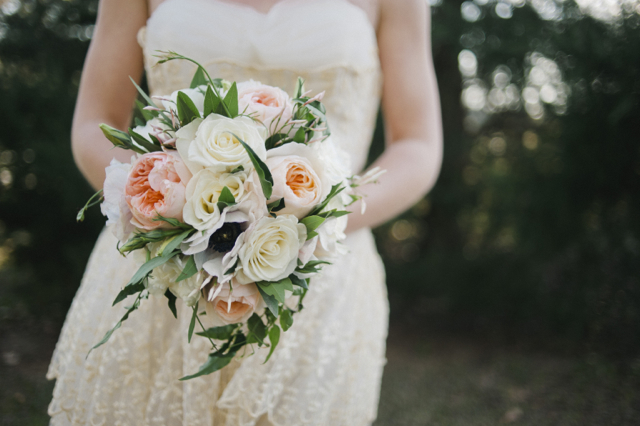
266 103
156 186
233 306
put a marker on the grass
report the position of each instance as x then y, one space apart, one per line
429 380
461 382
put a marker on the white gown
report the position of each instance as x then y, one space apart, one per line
328 366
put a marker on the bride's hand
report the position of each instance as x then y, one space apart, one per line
106 94
411 108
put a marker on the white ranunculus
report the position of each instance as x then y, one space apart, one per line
232 306
115 206
268 249
210 143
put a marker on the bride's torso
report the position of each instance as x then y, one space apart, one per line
330 43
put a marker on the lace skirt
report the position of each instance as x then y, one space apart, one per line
325 371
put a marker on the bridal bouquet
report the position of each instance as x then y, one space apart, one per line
234 198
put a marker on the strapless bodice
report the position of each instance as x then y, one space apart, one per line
330 43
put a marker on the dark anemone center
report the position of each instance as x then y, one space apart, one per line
224 238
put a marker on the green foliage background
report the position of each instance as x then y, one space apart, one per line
537 239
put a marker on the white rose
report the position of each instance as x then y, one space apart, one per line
232 306
115 206
268 249
269 104
210 143
203 192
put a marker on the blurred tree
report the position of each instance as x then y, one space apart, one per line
532 229
44 251
533 225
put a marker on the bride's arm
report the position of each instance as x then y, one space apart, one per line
106 94
411 106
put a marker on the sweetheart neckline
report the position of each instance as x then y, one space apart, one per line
273 9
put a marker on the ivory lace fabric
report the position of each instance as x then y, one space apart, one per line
328 366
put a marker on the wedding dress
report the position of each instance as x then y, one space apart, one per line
328 366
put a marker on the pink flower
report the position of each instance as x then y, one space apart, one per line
233 306
266 103
156 186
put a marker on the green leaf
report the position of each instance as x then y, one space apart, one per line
277 288
312 223
312 267
149 266
140 140
273 140
108 334
219 359
335 190
173 222
189 270
270 301
257 330
120 139
141 239
231 101
187 111
128 290
170 244
299 137
199 79
226 199
192 324
90 203
219 333
211 102
295 280
334 213
286 319
237 169
299 87
144 95
266 180
318 110
276 206
146 114
274 338
172 302
219 83
216 361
